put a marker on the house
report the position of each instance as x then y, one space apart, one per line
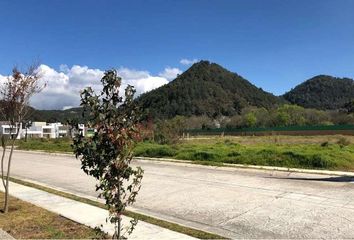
7 129
40 130
63 131
47 130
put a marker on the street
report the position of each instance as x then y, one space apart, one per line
235 203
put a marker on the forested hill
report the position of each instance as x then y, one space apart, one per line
205 89
322 92
55 115
209 89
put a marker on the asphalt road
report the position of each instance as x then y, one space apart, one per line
236 203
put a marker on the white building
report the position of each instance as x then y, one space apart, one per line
46 130
40 130
35 131
7 129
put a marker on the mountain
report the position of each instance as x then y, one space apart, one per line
322 92
209 89
50 115
56 115
205 89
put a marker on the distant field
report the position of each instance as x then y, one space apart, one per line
48 145
318 152
313 152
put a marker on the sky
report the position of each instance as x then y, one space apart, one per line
275 44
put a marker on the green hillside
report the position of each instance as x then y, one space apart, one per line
205 89
322 92
56 115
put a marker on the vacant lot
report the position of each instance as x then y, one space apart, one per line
319 152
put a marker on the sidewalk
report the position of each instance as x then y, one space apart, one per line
86 214
5 235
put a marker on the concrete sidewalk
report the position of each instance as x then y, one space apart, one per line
86 214
4 235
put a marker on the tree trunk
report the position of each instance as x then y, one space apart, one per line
119 226
26 135
6 205
2 166
117 234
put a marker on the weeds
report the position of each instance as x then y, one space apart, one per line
321 152
343 142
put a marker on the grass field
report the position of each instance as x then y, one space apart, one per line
312 152
44 144
26 221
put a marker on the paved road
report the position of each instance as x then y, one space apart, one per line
233 202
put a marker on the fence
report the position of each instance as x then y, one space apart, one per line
288 130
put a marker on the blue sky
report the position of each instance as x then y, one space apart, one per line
275 44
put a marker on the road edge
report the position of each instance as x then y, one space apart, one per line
222 166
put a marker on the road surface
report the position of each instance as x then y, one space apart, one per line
235 203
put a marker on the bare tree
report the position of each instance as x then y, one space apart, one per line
15 94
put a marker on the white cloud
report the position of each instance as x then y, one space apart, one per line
83 75
3 79
67 107
170 73
58 91
186 61
143 81
131 74
64 85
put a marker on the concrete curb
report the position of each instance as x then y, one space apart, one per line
46 153
224 166
256 167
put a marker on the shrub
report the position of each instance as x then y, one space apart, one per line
233 154
318 161
308 161
160 151
325 144
203 155
169 131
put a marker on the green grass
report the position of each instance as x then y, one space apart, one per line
310 152
330 156
44 144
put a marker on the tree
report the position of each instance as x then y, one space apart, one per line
349 107
291 115
169 131
108 153
250 119
72 124
26 124
15 92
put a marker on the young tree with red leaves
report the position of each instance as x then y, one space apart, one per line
108 153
